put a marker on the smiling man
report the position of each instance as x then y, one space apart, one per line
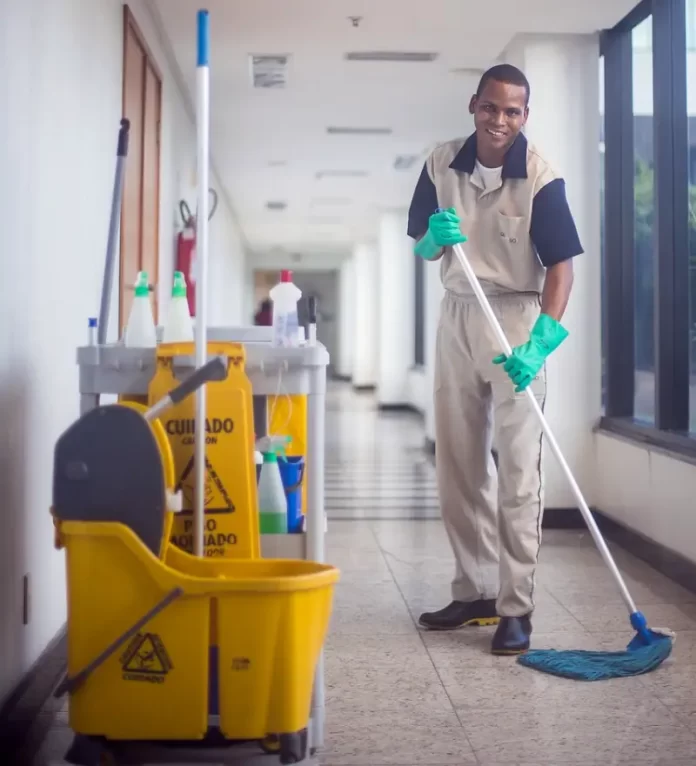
495 188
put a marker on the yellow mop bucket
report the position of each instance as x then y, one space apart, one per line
139 638
141 613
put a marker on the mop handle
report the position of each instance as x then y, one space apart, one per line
114 223
584 508
215 369
201 326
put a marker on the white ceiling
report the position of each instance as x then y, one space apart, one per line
423 103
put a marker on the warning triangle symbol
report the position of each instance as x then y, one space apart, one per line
146 655
215 495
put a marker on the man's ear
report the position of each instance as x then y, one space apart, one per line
526 115
472 105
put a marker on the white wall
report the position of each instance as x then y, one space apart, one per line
346 319
396 317
60 105
366 333
564 124
648 491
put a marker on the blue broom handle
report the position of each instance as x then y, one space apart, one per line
584 508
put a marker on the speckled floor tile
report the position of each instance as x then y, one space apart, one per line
366 608
611 618
553 734
421 737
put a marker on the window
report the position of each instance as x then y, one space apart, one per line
602 253
691 112
643 216
649 225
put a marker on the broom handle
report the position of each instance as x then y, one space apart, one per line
584 508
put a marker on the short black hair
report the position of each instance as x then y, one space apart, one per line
506 73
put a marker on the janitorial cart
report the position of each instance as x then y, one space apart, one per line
185 625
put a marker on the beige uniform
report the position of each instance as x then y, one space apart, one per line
518 223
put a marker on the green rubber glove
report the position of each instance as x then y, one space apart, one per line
527 359
443 231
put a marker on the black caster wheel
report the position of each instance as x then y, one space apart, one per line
89 751
270 744
293 747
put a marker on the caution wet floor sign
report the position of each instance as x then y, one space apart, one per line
231 520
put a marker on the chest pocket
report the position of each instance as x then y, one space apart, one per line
512 234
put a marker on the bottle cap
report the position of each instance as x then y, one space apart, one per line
179 287
286 275
270 457
142 286
92 322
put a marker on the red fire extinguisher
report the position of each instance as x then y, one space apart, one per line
186 248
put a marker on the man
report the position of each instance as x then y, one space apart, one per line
520 240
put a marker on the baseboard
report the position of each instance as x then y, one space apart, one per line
20 736
562 518
665 560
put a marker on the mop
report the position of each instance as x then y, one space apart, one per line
649 648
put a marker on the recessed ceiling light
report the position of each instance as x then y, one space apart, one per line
348 131
393 56
341 174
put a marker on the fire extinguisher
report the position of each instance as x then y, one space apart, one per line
186 247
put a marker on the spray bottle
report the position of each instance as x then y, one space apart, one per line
178 328
273 509
140 330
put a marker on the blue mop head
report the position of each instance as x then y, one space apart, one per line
648 649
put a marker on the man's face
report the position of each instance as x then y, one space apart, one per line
499 114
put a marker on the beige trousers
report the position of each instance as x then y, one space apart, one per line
493 518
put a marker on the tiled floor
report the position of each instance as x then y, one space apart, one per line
401 697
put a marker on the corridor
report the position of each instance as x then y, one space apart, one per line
401 697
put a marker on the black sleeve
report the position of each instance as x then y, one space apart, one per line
553 229
423 205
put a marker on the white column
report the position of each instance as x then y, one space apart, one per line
396 309
364 333
346 318
563 72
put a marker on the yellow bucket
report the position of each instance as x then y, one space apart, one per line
271 621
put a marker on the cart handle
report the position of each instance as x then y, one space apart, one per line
71 685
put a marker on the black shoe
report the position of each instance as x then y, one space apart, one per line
460 614
512 635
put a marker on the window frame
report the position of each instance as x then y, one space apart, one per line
670 230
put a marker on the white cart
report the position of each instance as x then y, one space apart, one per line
113 370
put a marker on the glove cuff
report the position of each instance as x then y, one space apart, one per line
550 332
427 248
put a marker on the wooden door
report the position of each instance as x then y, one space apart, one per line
142 104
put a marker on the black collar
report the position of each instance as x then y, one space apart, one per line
514 164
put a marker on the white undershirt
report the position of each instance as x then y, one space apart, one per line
491 177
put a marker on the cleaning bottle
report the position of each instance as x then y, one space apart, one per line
273 508
285 296
140 330
178 328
